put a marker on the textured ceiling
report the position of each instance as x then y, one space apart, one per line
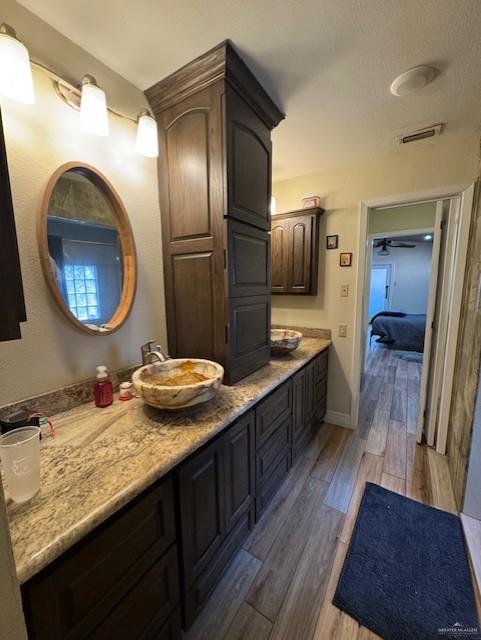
327 63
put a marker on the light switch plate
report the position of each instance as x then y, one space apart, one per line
342 330
344 290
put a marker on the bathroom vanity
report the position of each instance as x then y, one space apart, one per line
137 520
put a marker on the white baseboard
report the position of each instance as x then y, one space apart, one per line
338 418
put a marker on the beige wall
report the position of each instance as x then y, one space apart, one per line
423 166
415 216
39 138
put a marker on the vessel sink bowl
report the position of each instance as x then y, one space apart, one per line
178 383
284 341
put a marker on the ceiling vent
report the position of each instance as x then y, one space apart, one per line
420 134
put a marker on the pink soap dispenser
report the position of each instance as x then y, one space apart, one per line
103 388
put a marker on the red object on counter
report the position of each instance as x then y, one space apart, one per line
103 388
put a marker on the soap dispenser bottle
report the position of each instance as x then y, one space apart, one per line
103 388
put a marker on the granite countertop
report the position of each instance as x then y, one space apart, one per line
103 458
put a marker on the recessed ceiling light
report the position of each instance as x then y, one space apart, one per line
413 80
428 237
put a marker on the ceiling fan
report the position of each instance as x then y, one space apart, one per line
385 244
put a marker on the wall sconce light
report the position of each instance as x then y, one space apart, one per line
16 82
147 142
93 108
15 71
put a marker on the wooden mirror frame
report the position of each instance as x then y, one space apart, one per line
127 245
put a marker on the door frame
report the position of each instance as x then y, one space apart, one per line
465 192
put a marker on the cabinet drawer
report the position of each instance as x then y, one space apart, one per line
272 449
272 411
147 606
269 488
197 595
70 598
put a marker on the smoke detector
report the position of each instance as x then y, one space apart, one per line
420 134
413 80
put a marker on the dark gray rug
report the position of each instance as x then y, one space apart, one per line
406 574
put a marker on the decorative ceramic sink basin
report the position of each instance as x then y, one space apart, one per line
284 341
178 383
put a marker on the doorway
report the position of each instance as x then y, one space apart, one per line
432 370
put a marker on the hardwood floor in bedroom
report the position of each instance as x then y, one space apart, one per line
281 584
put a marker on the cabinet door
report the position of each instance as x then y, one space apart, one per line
298 413
248 335
280 255
248 163
202 509
300 252
310 370
248 260
192 208
239 447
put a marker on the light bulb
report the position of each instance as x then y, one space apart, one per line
428 237
15 71
93 108
147 143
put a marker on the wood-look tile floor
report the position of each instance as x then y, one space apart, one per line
280 585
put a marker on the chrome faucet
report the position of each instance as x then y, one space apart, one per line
151 352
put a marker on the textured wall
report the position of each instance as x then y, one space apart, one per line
425 166
39 138
468 360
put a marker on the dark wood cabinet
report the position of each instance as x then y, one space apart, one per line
149 569
239 449
121 579
11 288
295 251
215 123
202 509
216 496
273 437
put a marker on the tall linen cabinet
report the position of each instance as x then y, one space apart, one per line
215 122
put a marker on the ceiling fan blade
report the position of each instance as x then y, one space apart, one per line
402 245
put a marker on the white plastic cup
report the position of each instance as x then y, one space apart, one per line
20 456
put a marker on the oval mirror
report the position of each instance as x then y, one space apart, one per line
87 249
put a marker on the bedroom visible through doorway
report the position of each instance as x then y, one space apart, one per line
400 250
412 260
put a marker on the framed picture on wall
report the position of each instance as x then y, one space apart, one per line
332 242
345 259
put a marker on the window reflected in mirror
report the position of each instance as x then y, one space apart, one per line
84 249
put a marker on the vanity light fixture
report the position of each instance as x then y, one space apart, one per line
93 107
16 82
147 142
15 71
